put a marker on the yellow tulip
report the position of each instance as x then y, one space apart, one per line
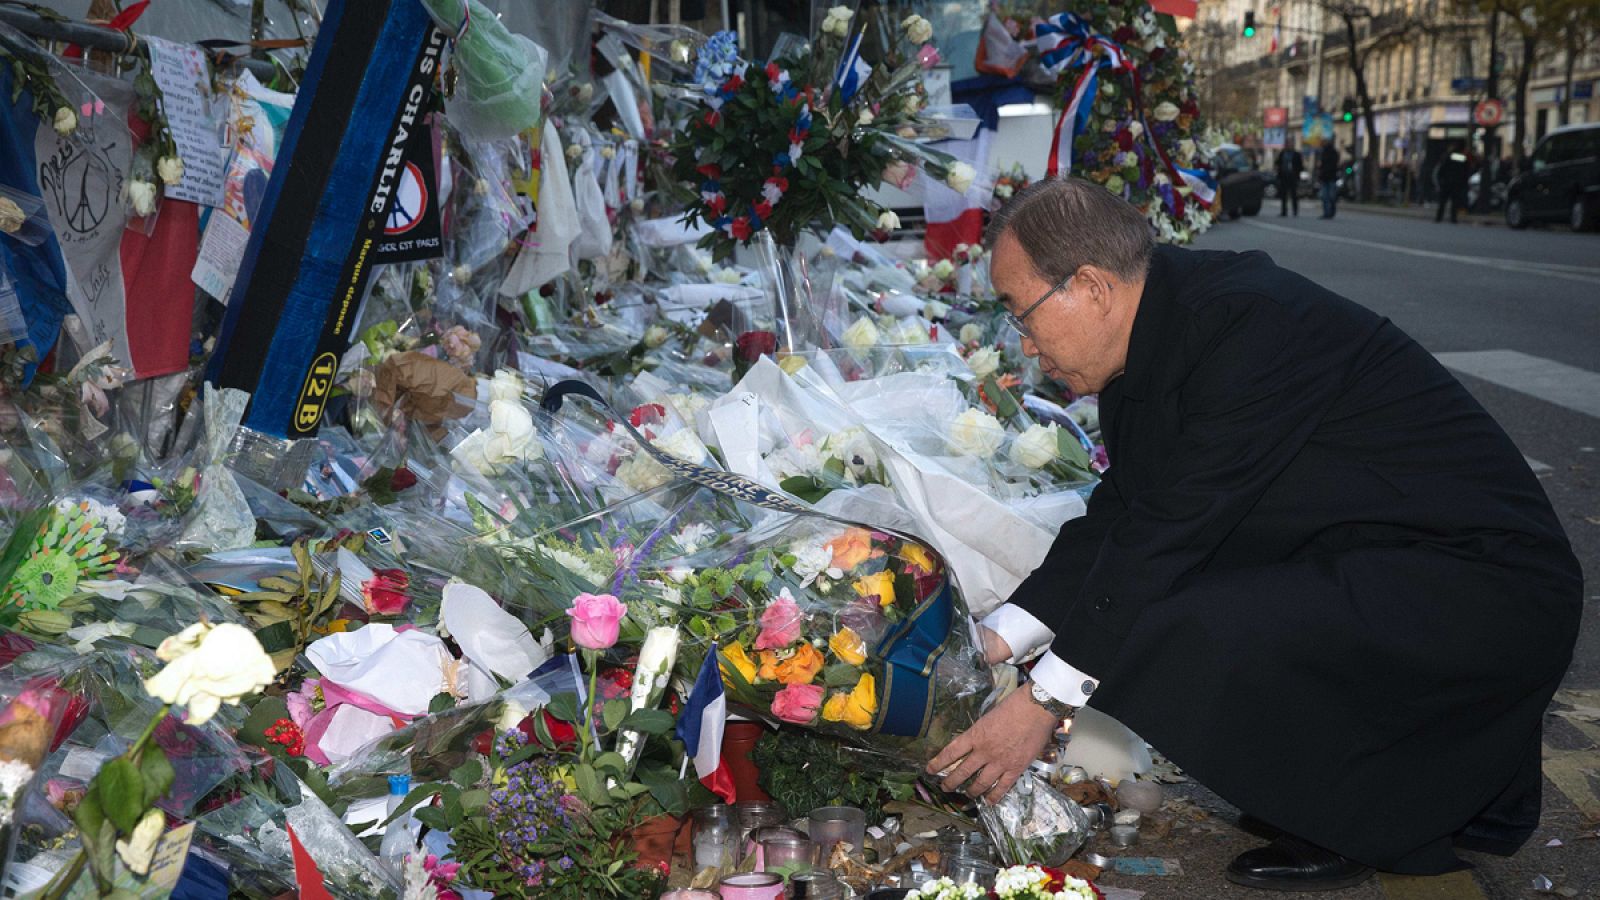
856 708
848 646
880 585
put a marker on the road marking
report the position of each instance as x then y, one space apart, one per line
1586 274
1454 886
1569 386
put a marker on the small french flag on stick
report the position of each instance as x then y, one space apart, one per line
700 726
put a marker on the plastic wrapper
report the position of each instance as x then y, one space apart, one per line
1034 824
501 74
31 713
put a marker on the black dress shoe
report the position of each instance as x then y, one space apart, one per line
1291 864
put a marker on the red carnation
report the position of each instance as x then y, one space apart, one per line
773 71
741 229
1124 35
779 182
752 345
710 170
717 205
713 118
763 209
733 83
1125 139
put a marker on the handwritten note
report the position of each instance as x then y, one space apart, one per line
180 71
221 252
166 867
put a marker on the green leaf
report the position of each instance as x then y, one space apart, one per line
840 675
564 707
611 762
473 801
649 721
467 774
589 786
120 788
805 487
88 816
613 712
418 794
441 702
452 808
666 788
157 773
277 636
1071 450
1005 406
433 817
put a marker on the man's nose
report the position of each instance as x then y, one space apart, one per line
1029 348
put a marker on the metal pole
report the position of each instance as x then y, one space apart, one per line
1491 139
1322 38
97 37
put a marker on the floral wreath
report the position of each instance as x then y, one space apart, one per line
740 227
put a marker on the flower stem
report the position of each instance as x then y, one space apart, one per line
589 736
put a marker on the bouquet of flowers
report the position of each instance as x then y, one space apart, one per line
796 141
1014 883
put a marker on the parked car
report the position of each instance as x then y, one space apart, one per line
1563 181
1497 192
1241 186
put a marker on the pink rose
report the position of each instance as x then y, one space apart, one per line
900 174
595 619
780 624
928 56
798 703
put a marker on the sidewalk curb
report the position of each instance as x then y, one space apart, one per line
1491 220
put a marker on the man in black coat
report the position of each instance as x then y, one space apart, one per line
1317 575
1289 166
1452 182
1328 177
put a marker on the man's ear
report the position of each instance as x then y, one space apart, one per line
1099 287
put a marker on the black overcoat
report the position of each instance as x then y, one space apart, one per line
1317 575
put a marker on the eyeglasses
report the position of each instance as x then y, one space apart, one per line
1016 320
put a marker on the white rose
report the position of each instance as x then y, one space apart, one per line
507 386
862 335
960 176
865 117
574 151
1037 447
888 221
970 332
210 666
1165 111
918 29
838 21
944 269
511 715
656 658
935 309
1186 148
66 121
910 331
1135 129
655 336
684 445
976 433
511 435
984 361
1003 191
170 168
142 194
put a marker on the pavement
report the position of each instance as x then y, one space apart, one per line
1516 315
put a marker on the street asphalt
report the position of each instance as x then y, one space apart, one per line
1516 314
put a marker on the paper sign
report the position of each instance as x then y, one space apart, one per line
221 251
181 72
166 867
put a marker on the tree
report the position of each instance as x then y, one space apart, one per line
1366 34
1536 23
1580 29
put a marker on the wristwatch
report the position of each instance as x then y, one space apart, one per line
1045 699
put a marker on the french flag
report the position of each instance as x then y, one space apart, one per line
700 726
853 70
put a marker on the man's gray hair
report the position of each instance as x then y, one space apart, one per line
1066 223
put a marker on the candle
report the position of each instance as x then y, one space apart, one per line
757 886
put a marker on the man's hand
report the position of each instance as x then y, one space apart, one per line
995 648
997 749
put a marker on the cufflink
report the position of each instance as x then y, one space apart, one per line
1088 687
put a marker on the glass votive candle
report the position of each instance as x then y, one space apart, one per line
781 850
688 894
815 886
831 825
756 841
966 870
754 886
716 846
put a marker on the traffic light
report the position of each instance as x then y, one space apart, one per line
1250 24
1349 110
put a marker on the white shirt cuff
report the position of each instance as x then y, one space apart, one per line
1021 631
1062 681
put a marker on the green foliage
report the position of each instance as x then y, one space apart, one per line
804 770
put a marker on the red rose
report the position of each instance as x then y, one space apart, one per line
385 594
710 170
563 733
1124 35
717 205
740 229
753 344
648 414
1125 140
402 479
733 83
763 209
713 119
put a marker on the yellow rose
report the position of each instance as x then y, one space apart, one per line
799 667
741 661
880 585
848 646
917 557
856 708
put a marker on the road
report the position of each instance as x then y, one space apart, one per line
1516 315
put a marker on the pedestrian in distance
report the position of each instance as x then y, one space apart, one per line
1290 165
1450 177
1317 575
1328 178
